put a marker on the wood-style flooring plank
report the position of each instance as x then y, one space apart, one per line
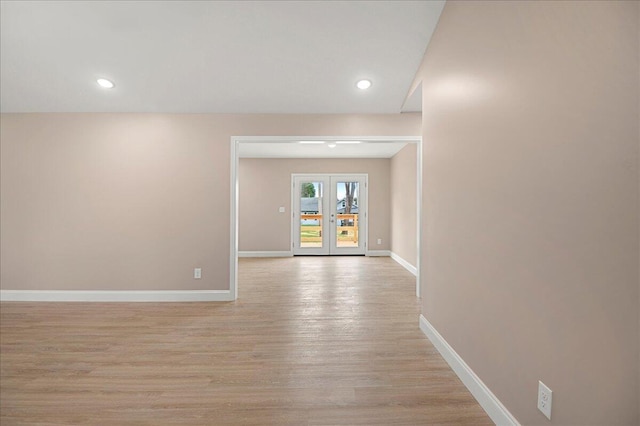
311 341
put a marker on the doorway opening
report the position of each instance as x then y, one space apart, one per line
329 214
284 147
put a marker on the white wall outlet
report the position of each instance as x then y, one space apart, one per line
544 399
281 209
379 241
197 273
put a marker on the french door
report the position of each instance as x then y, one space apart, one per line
329 214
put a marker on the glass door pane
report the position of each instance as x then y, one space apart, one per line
311 215
346 214
329 214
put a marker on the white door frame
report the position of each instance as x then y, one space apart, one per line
234 145
362 220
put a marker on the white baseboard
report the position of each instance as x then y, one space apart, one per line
115 296
406 265
265 254
378 253
487 400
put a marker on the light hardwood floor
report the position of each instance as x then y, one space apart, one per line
311 341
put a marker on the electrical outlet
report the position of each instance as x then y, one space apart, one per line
197 273
544 399
379 241
281 210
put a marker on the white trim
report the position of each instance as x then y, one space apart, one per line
265 254
487 400
289 139
233 240
115 296
378 253
406 265
419 271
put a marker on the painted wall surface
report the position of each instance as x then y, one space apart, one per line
133 201
530 133
265 185
404 233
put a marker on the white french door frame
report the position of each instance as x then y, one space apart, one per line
236 141
329 245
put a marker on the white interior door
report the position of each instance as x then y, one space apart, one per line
329 214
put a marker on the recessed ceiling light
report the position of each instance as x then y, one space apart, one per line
311 142
363 84
332 145
107 84
347 142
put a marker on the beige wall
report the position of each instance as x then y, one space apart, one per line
133 201
265 185
530 130
404 172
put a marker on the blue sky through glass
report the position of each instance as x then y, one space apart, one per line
341 189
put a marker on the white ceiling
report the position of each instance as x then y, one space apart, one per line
211 56
293 149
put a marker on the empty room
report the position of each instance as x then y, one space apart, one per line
320 212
